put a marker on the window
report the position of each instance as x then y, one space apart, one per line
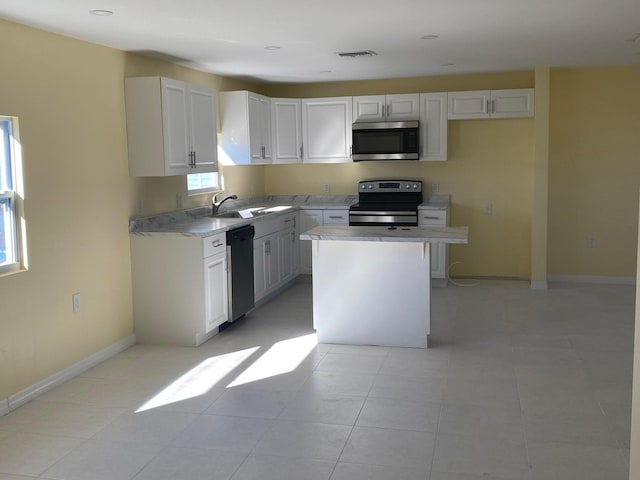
9 243
203 183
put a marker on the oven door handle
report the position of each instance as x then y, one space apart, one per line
379 212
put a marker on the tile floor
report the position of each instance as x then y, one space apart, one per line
516 385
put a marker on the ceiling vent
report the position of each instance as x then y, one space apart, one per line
361 53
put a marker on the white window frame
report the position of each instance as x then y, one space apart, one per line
9 194
199 191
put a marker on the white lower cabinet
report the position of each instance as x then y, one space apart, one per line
275 253
308 220
439 251
215 279
179 288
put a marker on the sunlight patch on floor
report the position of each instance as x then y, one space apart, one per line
199 380
282 357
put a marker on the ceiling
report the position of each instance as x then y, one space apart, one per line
229 37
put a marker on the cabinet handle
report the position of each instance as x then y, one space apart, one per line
388 109
267 247
293 237
493 106
301 152
488 107
216 244
263 150
195 162
335 217
431 218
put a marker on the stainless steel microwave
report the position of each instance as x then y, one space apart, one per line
385 141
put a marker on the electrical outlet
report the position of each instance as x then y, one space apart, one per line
178 200
326 188
138 207
488 208
435 187
591 241
75 298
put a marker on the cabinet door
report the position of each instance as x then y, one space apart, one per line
438 260
216 307
286 249
467 105
308 220
326 129
512 103
175 126
259 128
286 125
369 108
259 279
433 126
272 263
402 107
202 104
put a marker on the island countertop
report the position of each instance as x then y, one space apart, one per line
388 234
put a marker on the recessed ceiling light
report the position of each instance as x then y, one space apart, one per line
272 47
101 13
428 37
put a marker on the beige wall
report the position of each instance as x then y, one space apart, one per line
594 170
68 97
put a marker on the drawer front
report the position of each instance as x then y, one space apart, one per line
214 244
432 217
335 216
269 225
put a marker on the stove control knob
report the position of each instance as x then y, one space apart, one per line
370 185
407 186
415 185
363 186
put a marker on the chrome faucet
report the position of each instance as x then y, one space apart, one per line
215 205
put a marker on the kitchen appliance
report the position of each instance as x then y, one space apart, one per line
385 141
240 271
387 202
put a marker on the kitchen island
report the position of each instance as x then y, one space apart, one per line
372 285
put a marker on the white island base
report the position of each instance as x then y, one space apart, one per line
371 293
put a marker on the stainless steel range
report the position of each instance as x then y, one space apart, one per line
387 202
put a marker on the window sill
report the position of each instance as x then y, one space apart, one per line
7 271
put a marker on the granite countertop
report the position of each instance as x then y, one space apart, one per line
199 222
387 234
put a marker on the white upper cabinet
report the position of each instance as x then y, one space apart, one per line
171 127
512 103
326 129
245 130
386 108
204 131
433 126
286 125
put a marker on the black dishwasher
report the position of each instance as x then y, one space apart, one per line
240 271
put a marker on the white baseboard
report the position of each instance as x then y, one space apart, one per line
539 285
592 279
37 389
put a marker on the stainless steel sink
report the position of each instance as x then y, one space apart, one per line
248 213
